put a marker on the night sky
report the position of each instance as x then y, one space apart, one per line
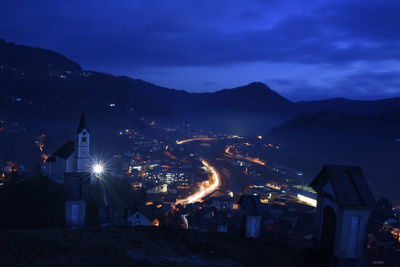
302 49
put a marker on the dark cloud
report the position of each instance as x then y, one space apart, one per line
370 84
363 85
154 33
115 35
210 83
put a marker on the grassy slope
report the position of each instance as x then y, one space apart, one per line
157 246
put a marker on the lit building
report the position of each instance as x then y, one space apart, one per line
178 178
73 156
306 195
275 185
142 215
158 189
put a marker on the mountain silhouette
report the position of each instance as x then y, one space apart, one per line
38 84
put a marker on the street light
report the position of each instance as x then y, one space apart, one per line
98 169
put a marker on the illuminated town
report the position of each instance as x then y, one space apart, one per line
200 133
199 183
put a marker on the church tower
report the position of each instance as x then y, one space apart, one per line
82 142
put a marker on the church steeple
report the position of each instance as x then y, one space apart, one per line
82 123
82 146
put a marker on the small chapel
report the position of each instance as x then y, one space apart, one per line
72 156
345 202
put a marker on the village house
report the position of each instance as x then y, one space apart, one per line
142 215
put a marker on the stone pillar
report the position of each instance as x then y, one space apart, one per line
253 224
76 193
75 213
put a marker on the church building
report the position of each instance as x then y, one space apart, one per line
71 157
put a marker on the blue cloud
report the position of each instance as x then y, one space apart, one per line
130 35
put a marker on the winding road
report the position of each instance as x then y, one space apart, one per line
207 187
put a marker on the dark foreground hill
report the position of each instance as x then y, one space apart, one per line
145 246
37 203
370 141
343 130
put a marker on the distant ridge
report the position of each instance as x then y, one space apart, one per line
43 80
351 106
38 58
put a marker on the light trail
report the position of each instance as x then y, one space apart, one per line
229 153
210 186
255 160
181 142
170 155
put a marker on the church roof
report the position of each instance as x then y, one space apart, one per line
145 210
66 150
82 123
345 184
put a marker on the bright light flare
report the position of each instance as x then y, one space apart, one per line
98 169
